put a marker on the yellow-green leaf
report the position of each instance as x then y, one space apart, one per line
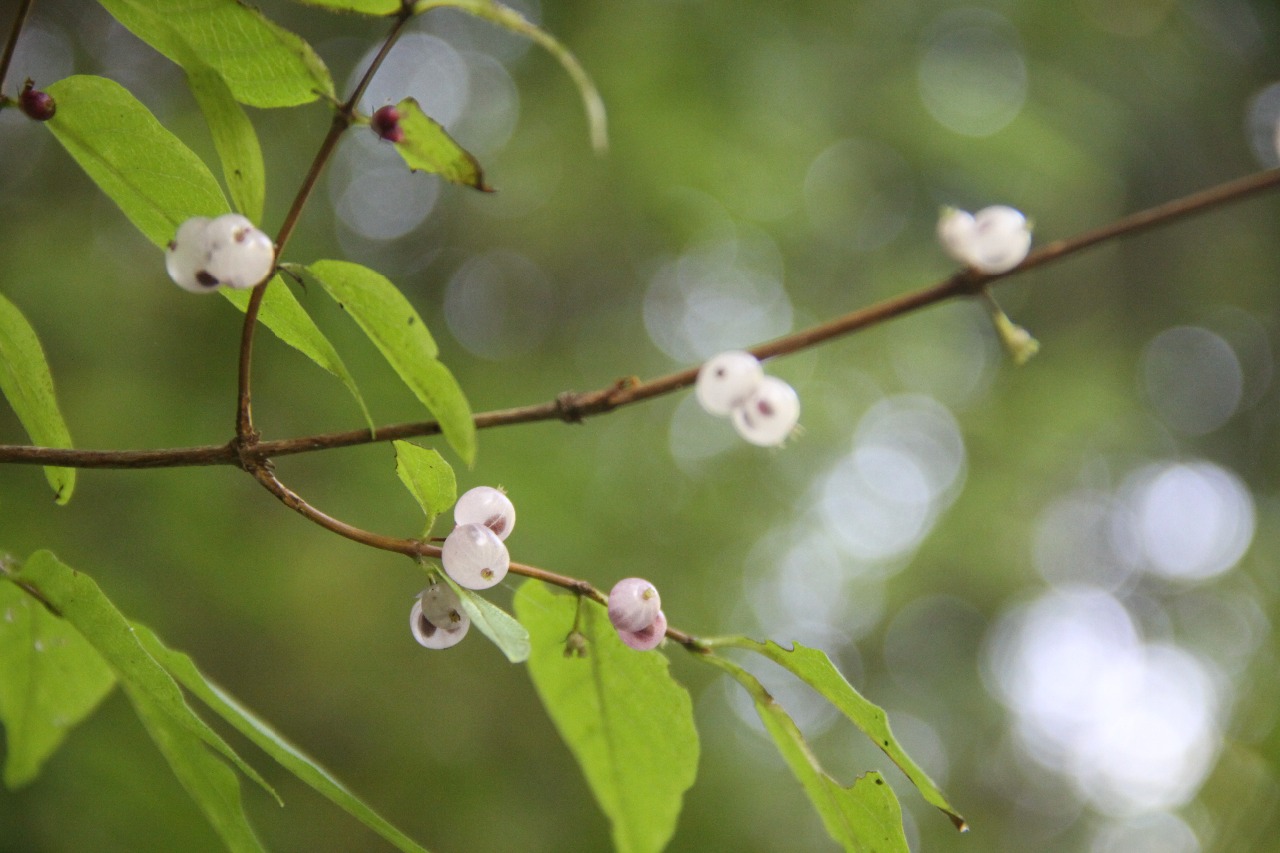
427 147
428 478
234 138
27 384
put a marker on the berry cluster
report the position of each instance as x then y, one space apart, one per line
764 409
635 610
993 240
228 250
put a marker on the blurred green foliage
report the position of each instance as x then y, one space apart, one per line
720 115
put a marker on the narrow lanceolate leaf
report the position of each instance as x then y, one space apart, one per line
624 718
83 605
363 7
263 64
27 384
234 138
50 680
210 782
427 477
863 818
427 147
284 315
155 179
182 668
813 667
395 328
510 19
494 622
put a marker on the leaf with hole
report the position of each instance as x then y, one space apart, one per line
625 719
50 680
394 327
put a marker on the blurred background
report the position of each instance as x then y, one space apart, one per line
1060 580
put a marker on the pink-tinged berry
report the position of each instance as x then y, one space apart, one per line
474 556
36 104
648 638
431 636
634 604
386 123
768 416
488 506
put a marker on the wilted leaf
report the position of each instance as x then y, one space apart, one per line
427 147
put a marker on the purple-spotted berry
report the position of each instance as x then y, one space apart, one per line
488 506
474 556
432 635
769 415
726 380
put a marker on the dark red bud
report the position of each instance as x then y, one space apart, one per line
36 104
386 123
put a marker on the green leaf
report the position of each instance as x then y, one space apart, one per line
156 180
181 667
27 384
209 781
289 321
863 818
50 680
393 325
494 622
427 477
510 19
363 7
628 723
263 64
427 147
234 138
82 603
813 667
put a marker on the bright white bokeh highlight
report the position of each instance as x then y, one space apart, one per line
1192 378
1193 520
718 296
373 192
972 75
1160 832
1134 725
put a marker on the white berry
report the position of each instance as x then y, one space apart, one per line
240 255
633 604
956 233
188 255
647 638
474 556
726 380
432 636
769 415
1001 241
488 506
441 607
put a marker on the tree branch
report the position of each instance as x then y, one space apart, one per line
11 45
574 407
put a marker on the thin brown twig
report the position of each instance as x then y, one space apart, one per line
575 407
343 118
11 45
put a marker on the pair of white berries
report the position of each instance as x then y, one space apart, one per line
228 250
475 556
764 409
635 611
993 240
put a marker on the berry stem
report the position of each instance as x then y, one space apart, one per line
11 45
343 118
